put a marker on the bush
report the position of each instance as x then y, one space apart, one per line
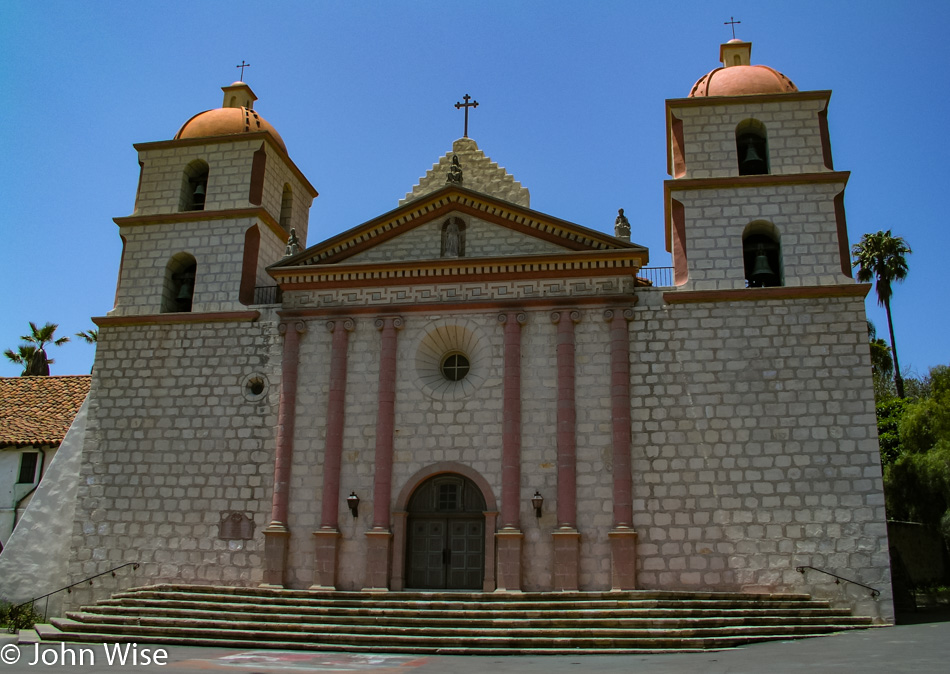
21 617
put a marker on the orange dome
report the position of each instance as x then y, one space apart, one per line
226 122
742 80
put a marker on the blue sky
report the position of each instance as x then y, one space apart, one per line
571 101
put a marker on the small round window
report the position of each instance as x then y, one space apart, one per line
455 366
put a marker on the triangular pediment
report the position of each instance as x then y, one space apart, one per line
490 228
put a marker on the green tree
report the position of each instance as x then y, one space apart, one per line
883 257
882 365
917 479
39 338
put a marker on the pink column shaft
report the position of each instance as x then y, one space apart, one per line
286 418
511 424
385 422
566 421
333 451
620 412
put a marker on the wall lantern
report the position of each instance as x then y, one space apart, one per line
353 503
536 502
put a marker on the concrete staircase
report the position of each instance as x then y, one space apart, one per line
449 622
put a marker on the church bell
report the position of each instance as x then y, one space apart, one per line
753 161
762 274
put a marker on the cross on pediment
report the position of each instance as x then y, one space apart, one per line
466 105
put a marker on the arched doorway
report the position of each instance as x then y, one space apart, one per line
445 546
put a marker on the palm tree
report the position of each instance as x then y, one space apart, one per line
91 337
881 256
22 356
39 338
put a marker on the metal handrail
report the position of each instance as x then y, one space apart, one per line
69 588
838 579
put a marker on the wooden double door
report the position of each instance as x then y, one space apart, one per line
445 549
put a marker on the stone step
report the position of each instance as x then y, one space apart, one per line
671 619
450 622
687 609
512 605
457 596
91 622
659 640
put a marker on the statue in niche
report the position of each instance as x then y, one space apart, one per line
455 171
452 233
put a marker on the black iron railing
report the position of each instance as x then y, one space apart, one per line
661 277
68 589
267 295
839 579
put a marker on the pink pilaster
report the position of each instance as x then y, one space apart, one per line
511 422
379 538
509 537
566 537
276 535
328 537
623 538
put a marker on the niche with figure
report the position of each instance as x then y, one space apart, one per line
453 238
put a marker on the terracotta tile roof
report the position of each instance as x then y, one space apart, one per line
39 410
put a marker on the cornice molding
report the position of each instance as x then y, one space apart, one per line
766 294
200 216
178 318
559 265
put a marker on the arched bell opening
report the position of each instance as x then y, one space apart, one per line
445 536
194 186
762 255
286 207
179 288
752 148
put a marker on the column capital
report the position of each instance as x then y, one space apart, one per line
519 317
573 314
347 323
626 312
299 326
396 321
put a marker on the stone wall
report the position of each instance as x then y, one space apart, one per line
804 218
174 441
218 249
755 448
229 179
792 127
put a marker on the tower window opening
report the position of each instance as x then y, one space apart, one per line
286 207
752 148
194 187
179 288
762 256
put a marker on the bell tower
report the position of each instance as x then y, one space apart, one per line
754 200
215 206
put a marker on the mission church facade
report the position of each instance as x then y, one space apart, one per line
465 393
